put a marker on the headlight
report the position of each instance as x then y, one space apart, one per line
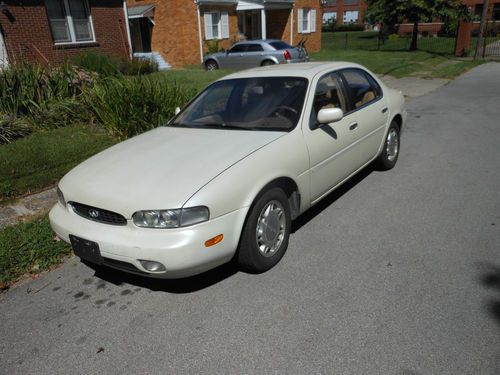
60 197
176 218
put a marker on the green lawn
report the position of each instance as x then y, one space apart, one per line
28 248
41 159
194 76
398 63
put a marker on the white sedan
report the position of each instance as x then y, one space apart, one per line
226 176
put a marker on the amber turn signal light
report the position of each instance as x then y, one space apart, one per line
214 241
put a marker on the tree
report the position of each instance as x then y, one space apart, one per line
393 12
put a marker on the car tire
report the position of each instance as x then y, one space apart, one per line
390 150
267 63
264 238
211 65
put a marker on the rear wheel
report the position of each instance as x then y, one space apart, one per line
267 63
211 65
265 235
390 151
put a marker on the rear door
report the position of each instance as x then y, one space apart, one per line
253 55
370 107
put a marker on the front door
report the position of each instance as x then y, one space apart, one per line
249 24
140 34
4 59
333 155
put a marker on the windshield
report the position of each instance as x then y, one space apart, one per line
264 103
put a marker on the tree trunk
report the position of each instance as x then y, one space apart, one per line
414 37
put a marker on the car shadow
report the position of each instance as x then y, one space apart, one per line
319 207
490 279
212 277
176 286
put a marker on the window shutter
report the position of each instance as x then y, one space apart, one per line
208 26
312 20
225 25
300 15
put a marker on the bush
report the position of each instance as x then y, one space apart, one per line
136 67
97 62
212 46
129 106
12 129
26 89
346 27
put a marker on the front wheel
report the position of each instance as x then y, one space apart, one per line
265 235
390 151
211 65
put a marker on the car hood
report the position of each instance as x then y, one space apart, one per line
159 169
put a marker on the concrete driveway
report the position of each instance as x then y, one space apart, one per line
396 273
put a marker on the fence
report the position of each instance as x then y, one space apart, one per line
375 41
491 42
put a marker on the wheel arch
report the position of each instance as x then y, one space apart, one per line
398 119
272 59
291 189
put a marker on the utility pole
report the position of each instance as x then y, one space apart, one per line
482 30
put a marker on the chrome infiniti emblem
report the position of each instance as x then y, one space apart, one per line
93 213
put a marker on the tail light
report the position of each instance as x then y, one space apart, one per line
287 55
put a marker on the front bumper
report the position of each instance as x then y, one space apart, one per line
181 251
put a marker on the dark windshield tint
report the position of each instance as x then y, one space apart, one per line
265 103
280 45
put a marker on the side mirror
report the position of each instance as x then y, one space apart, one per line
177 110
327 115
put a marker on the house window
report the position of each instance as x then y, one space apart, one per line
70 21
351 16
216 25
307 20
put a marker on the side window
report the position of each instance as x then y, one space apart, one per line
328 94
238 48
361 90
255 48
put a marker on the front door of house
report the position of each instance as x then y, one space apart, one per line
4 59
249 24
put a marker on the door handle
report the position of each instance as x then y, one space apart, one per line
385 109
353 126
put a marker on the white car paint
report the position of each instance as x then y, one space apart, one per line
224 170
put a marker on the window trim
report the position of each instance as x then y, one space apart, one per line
71 25
341 87
310 15
222 29
369 78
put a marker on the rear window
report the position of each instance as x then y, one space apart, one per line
280 45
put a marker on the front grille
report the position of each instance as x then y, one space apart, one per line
98 214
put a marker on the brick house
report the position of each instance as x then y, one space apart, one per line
345 11
51 31
181 30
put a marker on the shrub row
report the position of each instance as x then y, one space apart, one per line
95 90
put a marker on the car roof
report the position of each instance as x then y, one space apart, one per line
255 41
306 70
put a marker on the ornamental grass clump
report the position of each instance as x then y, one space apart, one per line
26 89
130 106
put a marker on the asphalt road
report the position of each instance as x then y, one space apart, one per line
396 273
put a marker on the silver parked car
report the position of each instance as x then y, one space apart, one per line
252 53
